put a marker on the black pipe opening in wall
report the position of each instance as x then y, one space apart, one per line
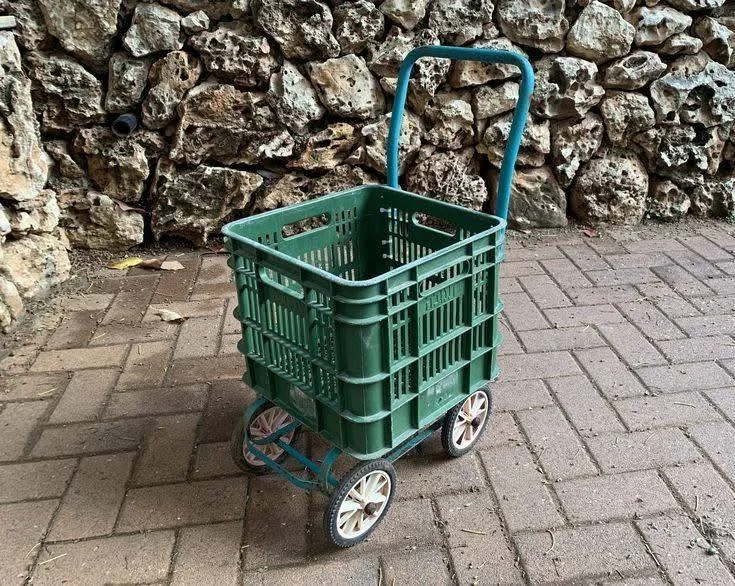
124 125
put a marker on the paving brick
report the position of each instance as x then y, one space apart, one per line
699 349
134 333
359 572
606 246
502 429
80 358
157 401
602 295
199 337
167 451
727 267
651 321
530 366
544 292
32 386
90 506
611 375
510 344
34 480
706 248
226 404
128 306
18 360
560 339
206 369
617 548
146 365
559 449
89 438
214 269
681 281
638 260
17 423
517 482
85 396
401 568
684 377
584 257
587 410
620 452
631 345
88 302
433 475
668 539
231 324
509 285
75 330
127 283
126 559
213 460
674 409
484 555
187 309
566 274
177 285
511 269
697 266
208 551
228 344
519 395
717 439
522 314
171 505
720 237
584 315
612 277
725 401
707 325
650 245
615 496
23 526
668 300
518 253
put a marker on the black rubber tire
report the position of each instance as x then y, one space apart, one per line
331 513
448 426
238 439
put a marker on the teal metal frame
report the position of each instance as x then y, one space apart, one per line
322 472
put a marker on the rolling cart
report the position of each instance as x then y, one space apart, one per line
370 316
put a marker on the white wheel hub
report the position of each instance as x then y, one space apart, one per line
265 424
364 504
470 420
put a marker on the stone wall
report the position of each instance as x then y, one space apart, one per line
248 105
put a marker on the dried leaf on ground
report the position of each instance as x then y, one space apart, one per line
169 316
161 264
126 263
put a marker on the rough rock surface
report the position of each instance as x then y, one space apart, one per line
192 203
611 188
657 23
491 101
35 263
634 71
450 121
626 114
535 144
470 73
347 88
195 22
574 142
680 44
31 26
536 199
667 201
457 22
566 87
126 82
327 149
34 216
406 13
169 79
294 99
718 40
302 28
372 150
540 24
11 304
94 220
600 34
212 8
234 53
154 28
356 24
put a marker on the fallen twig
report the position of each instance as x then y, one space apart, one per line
553 541
473 532
685 404
51 559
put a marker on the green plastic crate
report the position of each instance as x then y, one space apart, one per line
361 319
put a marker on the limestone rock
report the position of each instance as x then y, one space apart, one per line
214 9
450 122
11 304
536 199
457 22
634 71
470 73
4 225
534 23
611 188
327 149
695 91
170 78
193 203
220 123
195 22
600 34
65 95
488 101
23 163
356 24
624 6
535 144
719 41
95 221
566 87
66 172
154 28
680 44
372 152
35 216
626 114
126 82
35 263
33 35
294 99
710 196
667 201
84 28
451 176
406 13
347 88
656 24
574 142
118 165
234 53
696 5
302 28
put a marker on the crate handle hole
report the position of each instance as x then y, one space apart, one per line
434 223
305 225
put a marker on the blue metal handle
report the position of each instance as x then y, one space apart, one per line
519 115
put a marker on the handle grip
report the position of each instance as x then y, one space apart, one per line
519 115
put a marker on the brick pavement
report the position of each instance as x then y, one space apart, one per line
609 459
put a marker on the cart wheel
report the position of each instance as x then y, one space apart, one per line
266 420
465 423
360 502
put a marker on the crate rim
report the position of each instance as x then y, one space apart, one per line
227 230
